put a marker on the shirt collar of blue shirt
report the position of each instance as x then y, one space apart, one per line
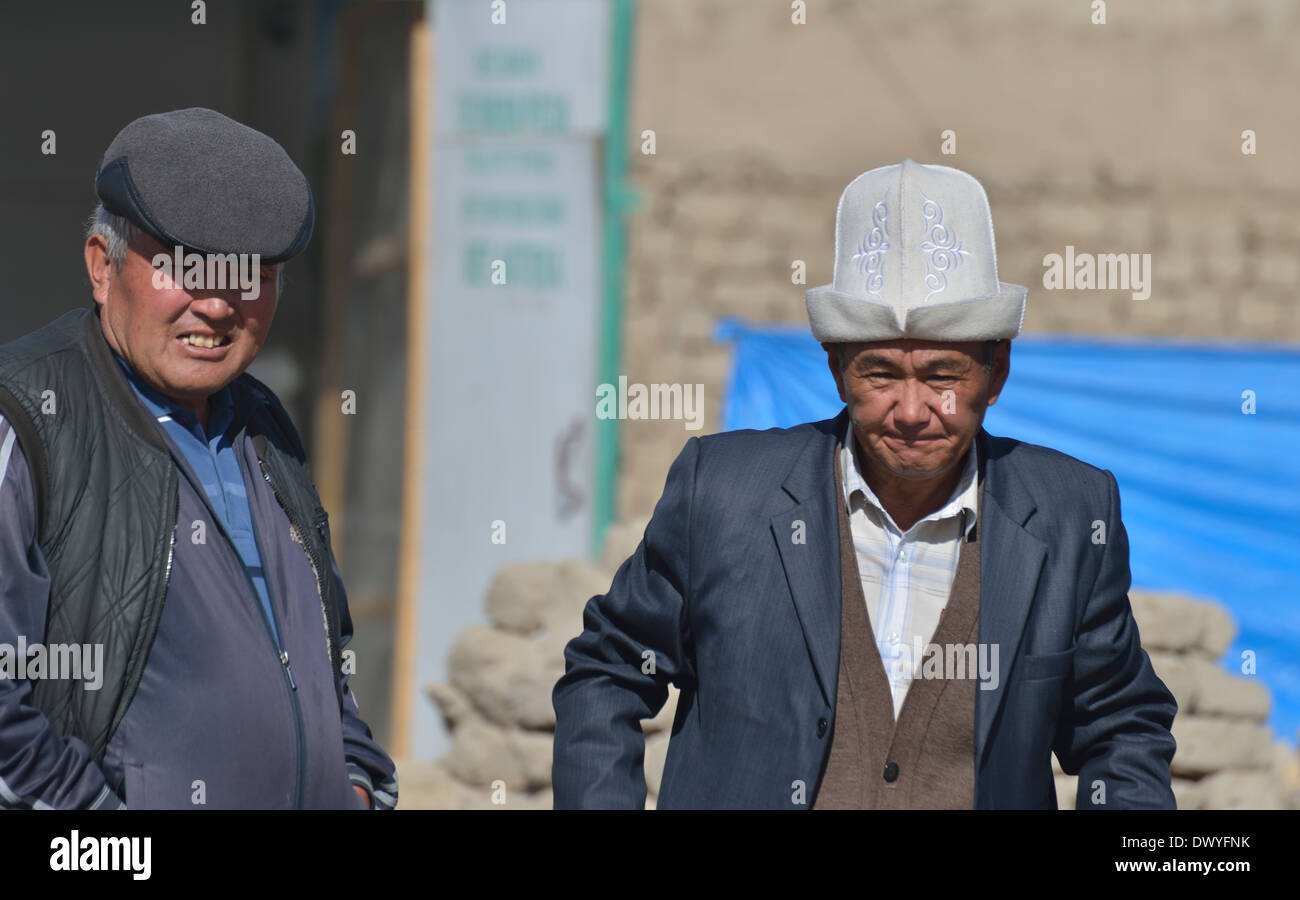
221 411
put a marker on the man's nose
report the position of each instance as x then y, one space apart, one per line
912 409
215 305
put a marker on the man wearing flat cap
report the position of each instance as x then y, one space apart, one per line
158 521
890 609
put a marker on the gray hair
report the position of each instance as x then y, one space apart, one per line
990 348
119 233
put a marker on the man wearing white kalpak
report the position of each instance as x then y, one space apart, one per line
890 609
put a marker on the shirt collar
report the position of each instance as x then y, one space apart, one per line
221 410
963 501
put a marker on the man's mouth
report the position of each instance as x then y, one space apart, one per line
205 340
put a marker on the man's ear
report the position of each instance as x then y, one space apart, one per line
99 267
833 360
1001 370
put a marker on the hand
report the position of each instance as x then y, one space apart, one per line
361 792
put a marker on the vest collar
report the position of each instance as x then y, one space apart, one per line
112 381
116 385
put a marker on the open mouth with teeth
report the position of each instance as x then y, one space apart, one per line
207 341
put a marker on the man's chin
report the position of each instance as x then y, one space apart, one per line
199 373
915 467
919 474
190 388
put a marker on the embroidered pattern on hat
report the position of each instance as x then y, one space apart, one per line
871 251
941 243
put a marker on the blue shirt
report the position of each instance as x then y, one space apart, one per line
214 462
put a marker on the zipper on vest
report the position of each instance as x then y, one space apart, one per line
277 646
171 552
300 751
284 661
311 558
320 592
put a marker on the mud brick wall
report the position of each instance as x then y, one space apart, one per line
1123 137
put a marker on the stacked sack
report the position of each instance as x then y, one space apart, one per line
496 702
1226 757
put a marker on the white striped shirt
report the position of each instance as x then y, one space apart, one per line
906 577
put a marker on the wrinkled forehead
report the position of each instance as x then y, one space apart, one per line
914 352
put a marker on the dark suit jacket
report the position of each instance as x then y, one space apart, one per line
721 601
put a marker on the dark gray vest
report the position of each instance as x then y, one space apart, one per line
106 505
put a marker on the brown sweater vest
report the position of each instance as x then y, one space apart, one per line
929 753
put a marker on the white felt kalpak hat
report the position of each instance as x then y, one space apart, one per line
915 258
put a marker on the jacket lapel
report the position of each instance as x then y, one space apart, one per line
1010 562
812 567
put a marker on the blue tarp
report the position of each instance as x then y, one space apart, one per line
1210 494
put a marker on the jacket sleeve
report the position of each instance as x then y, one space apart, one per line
1116 731
369 767
633 644
39 768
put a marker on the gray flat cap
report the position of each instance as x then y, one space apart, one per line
202 180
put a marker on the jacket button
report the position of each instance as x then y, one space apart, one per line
822 725
891 772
